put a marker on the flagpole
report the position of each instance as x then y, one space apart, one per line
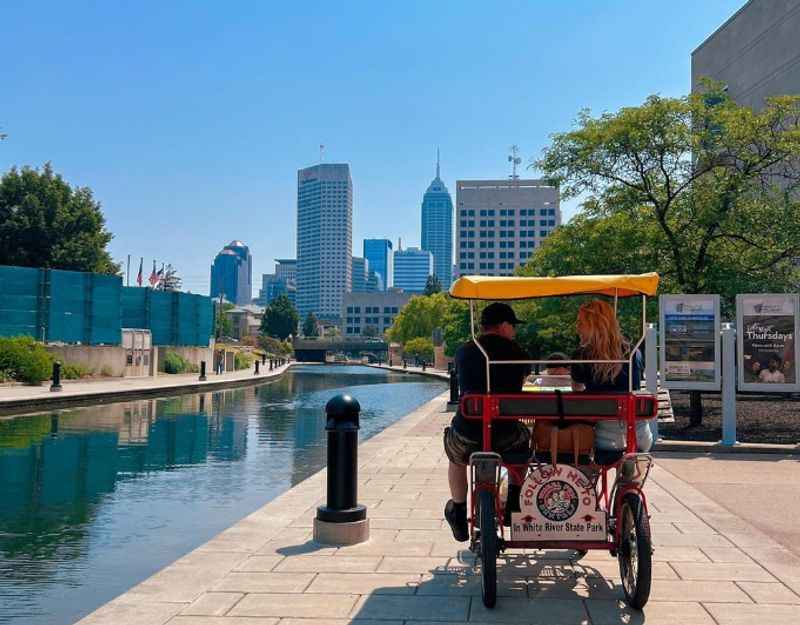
128 272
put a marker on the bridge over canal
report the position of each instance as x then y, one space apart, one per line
316 349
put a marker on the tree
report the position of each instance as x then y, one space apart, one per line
419 348
280 318
222 324
704 189
419 317
170 280
432 285
710 183
310 325
370 331
44 222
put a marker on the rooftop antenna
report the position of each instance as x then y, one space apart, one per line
321 153
515 160
437 161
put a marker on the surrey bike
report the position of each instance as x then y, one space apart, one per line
566 499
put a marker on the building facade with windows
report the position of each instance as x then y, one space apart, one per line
500 223
232 274
360 270
437 228
755 53
378 252
371 314
412 266
282 282
324 239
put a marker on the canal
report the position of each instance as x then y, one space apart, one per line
94 500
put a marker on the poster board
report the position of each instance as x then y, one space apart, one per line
690 343
767 349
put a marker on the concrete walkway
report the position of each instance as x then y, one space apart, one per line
711 567
17 399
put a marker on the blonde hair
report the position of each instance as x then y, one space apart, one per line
601 339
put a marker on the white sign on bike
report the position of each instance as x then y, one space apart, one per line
558 503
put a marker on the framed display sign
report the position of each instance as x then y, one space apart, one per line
690 345
766 327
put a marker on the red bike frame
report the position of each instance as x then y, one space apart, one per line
630 407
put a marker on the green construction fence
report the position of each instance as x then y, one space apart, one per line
53 305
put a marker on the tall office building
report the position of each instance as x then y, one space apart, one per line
437 228
232 274
412 267
360 273
324 239
499 223
282 282
378 253
755 53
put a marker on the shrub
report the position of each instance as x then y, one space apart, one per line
242 360
75 371
25 360
106 371
175 363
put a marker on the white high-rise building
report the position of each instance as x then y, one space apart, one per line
324 239
499 223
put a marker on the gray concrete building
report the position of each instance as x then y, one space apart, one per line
373 312
499 223
324 239
756 52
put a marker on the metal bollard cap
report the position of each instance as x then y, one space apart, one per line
342 412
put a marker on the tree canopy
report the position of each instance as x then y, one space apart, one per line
419 348
432 285
310 325
698 188
280 318
44 222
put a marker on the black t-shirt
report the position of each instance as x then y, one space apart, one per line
471 368
584 374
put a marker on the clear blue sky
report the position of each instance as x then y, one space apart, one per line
189 120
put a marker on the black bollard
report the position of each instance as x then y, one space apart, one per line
202 370
342 427
257 363
423 365
405 364
270 364
56 385
263 359
453 386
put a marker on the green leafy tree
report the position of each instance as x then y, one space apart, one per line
432 285
280 318
171 281
310 325
44 222
709 187
370 331
223 326
419 348
419 317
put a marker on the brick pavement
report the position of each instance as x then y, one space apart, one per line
710 566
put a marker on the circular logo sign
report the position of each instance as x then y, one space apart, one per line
557 500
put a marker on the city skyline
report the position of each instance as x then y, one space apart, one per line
189 145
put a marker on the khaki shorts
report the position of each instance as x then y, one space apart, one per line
459 448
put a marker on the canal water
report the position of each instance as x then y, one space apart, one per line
94 500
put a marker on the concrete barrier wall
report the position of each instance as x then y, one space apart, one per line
95 357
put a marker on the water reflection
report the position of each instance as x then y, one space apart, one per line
94 500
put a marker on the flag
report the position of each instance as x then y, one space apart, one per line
140 276
160 274
153 276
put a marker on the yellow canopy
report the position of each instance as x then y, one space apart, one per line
507 288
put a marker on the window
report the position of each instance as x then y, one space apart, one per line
394 310
387 321
511 212
551 222
483 212
350 309
386 309
542 222
551 211
483 223
490 265
543 211
482 265
542 233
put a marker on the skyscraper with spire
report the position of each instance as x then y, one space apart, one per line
437 228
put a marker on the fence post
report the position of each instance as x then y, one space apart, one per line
56 385
257 363
651 369
342 520
202 371
728 385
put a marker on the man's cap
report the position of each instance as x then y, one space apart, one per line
497 313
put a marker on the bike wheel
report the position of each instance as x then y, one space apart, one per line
488 546
635 551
